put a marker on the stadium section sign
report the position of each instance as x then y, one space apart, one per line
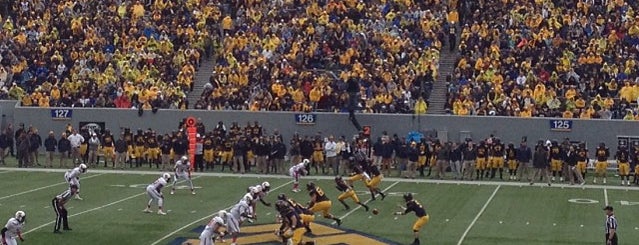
61 114
561 125
305 119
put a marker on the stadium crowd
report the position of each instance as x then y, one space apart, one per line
252 149
92 53
299 55
559 58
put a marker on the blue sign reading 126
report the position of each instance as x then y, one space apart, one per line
61 114
561 125
305 119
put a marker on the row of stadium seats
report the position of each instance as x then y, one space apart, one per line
571 59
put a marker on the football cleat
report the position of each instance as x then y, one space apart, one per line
172 192
193 192
146 210
160 212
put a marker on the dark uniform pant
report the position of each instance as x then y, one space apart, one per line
61 215
613 241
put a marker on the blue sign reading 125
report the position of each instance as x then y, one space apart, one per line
561 125
305 119
61 114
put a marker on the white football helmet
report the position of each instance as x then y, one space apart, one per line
266 186
83 168
218 220
248 198
21 216
222 214
184 158
306 161
166 176
256 189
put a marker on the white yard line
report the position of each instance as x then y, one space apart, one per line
88 211
461 240
206 217
389 179
370 199
45 187
606 196
3 172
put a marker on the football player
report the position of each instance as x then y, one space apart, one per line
582 159
154 191
480 161
13 229
623 164
320 202
373 183
73 178
413 205
292 226
601 153
297 171
182 171
347 192
306 215
358 174
261 191
497 159
212 229
233 218
556 160
511 158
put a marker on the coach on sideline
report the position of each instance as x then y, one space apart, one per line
611 226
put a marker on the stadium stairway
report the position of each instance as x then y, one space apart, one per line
437 100
201 78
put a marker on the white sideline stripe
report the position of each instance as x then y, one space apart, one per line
3 172
367 201
478 215
87 211
318 177
205 217
606 196
45 187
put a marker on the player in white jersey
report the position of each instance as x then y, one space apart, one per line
13 229
297 171
258 193
234 218
213 229
154 191
73 177
182 171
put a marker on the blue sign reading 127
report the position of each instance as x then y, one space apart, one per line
561 125
61 114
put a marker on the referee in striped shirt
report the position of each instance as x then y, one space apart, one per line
611 226
60 211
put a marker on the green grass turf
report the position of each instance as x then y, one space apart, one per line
111 212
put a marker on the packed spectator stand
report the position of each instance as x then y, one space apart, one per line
122 54
299 55
560 58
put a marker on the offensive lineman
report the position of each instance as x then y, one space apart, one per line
182 171
320 202
347 192
233 218
212 229
73 178
13 229
373 183
154 191
306 215
297 171
292 226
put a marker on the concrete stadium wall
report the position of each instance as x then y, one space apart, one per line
452 128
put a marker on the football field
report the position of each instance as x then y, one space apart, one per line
460 212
